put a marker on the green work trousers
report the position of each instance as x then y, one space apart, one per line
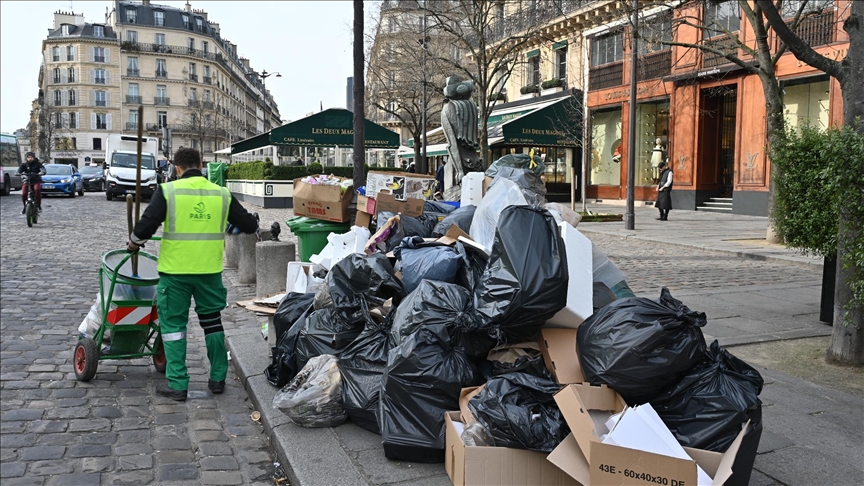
173 298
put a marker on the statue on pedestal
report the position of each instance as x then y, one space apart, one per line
459 120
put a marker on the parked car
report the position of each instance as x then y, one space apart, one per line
94 178
62 179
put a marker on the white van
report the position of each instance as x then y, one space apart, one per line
121 161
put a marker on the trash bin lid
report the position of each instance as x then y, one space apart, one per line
302 223
147 266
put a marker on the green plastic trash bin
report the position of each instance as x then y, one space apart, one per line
312 234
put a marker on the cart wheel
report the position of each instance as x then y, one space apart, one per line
159 360
86 359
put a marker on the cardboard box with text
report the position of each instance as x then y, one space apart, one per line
321 201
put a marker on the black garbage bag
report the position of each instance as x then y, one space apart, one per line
520 413
422 381
421 260
519 161
362 275
523 357
362 366
602 296
533 188
473 266
640 347
525 281
437 207
707 408
292 311
326 331
462 218
451 305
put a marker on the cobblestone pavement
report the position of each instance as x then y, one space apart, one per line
113 430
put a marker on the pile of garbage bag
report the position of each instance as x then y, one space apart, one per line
398 338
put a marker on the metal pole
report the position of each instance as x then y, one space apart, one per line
424 162
138 180
630 216
586 133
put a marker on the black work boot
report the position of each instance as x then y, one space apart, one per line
216 387
179 395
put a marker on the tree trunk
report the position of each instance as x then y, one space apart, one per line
359 102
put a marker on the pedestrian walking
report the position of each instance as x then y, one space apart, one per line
439 176
195 213
664 191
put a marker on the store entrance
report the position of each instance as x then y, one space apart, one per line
717 139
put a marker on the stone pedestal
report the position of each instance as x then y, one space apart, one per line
272 259
232 251
246 258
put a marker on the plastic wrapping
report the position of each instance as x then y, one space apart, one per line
567 215
502 194
288 321
422 381
607 273
431 261
525 281
93 320
437 207
523 357
462 218
408 226
602 296
519 412
519 161
325 331
639 346
362 275
314 396
362 366
707 408
532 186
477 435
473 266
451 305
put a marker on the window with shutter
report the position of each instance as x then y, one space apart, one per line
65 96
92 54
107 76
108 99
108 121
93 121
65 119
108 54
92 76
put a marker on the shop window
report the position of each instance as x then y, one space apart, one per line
652 140
606 149
807 103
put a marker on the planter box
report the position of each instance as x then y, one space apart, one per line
528 95
267 194
547 91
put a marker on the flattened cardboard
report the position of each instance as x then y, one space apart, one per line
402 185
558 347
630 466
321 201
569 458
495 466
408 207
365 204
466 417
452 236
363 219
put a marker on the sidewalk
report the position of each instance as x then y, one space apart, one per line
813 434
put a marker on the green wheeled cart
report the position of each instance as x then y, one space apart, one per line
128 311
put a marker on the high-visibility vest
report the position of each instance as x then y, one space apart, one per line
193 237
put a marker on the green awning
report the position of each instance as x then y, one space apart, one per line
333 127
555 125
495 119
329 128
534 53
559 45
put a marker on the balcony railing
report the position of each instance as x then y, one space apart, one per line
530 17
131 125
153 127
99 58
722 43
100 103
193 77
72 101
58 103
207 80
133 100
816 30
161 74
55 58
178 50
606 76
655 65
133 72
194 103
70 58
100 80
162 101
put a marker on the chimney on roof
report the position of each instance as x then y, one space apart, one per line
145 2
72 18
188 7
245 62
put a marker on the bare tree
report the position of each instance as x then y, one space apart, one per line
203 122
56 130
493 45
398 73
847 339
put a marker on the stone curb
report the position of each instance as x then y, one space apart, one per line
310 457
751 255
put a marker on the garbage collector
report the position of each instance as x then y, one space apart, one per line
195 213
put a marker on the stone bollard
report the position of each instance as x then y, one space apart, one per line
272 259
246 258
232 254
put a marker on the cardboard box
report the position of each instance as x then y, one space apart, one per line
408 207
580 287
402 185
488 466
366 204
321 201
363 219
558 347
586 409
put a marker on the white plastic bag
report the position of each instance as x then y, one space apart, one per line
566 214
314 397
90 325
501 194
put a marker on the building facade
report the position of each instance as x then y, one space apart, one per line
172 62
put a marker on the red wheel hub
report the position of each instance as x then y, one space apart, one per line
159 359
80 360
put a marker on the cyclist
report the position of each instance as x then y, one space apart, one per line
34 170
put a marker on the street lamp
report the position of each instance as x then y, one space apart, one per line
264 75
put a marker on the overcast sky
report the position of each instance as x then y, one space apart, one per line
309 43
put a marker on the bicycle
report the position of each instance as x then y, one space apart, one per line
31 211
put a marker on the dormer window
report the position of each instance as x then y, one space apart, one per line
98 31
200 23
186 23
131 15
64 29
159 18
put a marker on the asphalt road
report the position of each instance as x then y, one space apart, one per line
113 430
